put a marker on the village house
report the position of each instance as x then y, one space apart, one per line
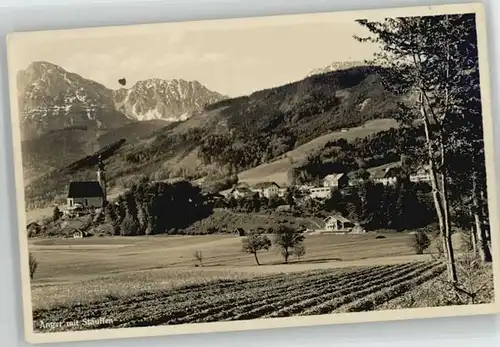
356 182
267 189
338 223
305 188
387 177
78 234
240 192
88 194
320 193
422 175
337 180
282 192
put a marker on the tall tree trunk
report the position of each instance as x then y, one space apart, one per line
450 256
473 240
439 196
485 214
452 271
432 169
482 240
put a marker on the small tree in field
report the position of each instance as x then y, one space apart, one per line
254 243
299 250
420 242
286 238
198 256
33 264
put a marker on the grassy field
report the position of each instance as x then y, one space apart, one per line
142 281
277 171
72 271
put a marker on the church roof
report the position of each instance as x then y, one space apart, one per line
85 189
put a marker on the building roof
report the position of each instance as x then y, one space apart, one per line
244 190
334 176
85 189
264 185
388 172
339 218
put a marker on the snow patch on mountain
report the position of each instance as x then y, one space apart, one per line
171 100
335 66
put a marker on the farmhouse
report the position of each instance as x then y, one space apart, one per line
88 194
239 232
78 234
240 192
282 192
339 223
387 177
320 193
305 188
422 175
267 189
337 180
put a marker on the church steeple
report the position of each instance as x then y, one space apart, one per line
101 177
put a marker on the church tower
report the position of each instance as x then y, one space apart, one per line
101 178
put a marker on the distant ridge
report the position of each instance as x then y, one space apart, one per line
335 66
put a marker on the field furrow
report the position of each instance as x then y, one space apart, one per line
278 295
349 295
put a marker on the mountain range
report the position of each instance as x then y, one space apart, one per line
230 135
51 98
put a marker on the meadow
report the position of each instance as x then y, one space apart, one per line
86 270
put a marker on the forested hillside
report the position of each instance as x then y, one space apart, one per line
240 133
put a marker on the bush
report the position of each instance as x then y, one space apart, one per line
33 264
56 213
420 242
299 250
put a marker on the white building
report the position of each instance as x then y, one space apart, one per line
338 223
267 189
422 175
282 192
240 192
320 193
388 177
337 180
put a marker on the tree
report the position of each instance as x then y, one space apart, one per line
420 242
286 238
299 250
434 59
56 213
254 243
33 265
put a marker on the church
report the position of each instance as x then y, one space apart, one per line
88 194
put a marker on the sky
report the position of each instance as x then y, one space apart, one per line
232 57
